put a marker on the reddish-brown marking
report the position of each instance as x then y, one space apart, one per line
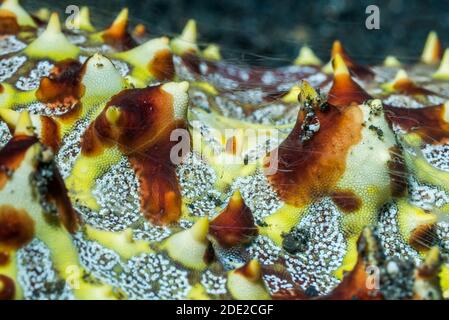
346 200
139 31
353 286
398 173
159 188
57 194
161 66
427 122
209 255
12 154
16 227
406 86
7 288
308 170
2 89
356 69
234 225
8 23
231 145
345 91
51 136
423 237
4 258
248 273
63 87
117 36
142 133
354 283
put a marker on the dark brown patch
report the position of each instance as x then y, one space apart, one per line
16 227
62 89
161 66
4 258
209 255
2 89
117 36
52 190
160 196
234 225
398 173
7 288
346 200
142 133
311 169
427 122
12 154
8 23
51 136
423 237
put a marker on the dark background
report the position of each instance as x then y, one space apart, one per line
270 32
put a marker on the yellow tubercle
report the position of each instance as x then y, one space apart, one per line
189 247
86 171
84 20
117 27
121 242
101 80
212 52
339 66
24 125
401 75
121 19
443 71
43 14
292 95
246 283
392 62
23 18
411 217
307 57
431 51
11 98
147 57
186 42
52 43
113 114
281 222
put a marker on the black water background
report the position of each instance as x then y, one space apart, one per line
267 32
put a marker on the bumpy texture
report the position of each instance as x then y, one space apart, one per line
343 194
